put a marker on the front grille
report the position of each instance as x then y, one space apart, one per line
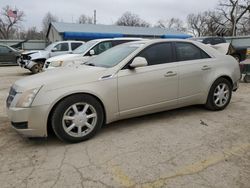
26 57
11 97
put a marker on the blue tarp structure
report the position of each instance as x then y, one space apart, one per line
90 36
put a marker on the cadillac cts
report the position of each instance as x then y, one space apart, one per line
129 80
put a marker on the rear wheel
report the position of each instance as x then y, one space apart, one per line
247 78
219 95
77 118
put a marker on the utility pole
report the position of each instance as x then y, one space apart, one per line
235 18
94 16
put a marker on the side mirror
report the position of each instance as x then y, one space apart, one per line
54 50
138 62
92 52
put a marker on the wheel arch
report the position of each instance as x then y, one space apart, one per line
52 109
221 76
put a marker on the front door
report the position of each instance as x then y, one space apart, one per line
60 49
152 87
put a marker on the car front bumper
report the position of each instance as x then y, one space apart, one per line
30 122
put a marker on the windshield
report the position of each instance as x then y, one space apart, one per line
48 48
83 48
114 56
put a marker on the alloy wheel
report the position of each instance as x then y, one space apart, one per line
221 94
79 119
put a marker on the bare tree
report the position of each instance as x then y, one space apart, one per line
196 24
9 23
173 23
207 23
228 8
130 19
48 18
83 19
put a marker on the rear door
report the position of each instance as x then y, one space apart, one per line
152 87
195 67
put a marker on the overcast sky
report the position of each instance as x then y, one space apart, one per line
108 11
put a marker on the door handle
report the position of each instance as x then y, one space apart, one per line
170 73
205 67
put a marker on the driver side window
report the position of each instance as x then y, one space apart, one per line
62 47
101 47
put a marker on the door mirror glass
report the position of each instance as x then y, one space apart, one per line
92 52
138 62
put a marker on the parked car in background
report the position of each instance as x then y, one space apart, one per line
129 80
34 60
238 52
8 55
84 52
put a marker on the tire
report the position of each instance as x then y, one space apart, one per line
247 78
219 98
37 68
68 118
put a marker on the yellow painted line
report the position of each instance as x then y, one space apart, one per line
122 178
191 169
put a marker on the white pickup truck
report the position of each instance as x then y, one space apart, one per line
34 60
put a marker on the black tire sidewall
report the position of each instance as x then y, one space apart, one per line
210 101
64 105
247 78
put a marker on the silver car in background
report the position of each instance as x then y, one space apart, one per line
129 80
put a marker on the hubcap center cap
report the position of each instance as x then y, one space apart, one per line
80 119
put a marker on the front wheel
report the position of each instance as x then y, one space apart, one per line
219 95
77 118
38 67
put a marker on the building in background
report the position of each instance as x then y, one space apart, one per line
72 31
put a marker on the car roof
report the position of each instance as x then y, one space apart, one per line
115 39
69 41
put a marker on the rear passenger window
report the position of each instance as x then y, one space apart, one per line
158 54
187 51
75 45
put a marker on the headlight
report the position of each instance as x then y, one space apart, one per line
56 63
27 98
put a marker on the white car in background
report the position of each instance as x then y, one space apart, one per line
84 52
34 60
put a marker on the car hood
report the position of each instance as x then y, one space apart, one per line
37 54
61 77
65 57
29 52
